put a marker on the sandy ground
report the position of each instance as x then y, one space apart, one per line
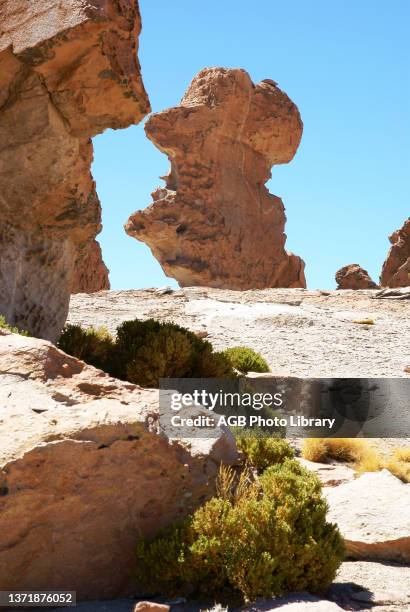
359 586
298 331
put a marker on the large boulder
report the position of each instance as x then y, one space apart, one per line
372 513
396 268
215 224
354 276
68 71
85 469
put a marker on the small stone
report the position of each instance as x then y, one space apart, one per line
150 606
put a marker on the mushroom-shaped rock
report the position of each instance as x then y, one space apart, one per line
354 276
215 223
68 70
396 268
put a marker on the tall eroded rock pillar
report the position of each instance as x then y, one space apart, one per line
68 71
215 223
396 268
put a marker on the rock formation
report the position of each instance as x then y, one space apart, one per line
372 515
90 273
84 472
396 268
68 70
215 223
354 277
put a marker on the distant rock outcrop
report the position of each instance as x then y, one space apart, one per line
396 268
68 70
215 223
90 273
85 470
354 276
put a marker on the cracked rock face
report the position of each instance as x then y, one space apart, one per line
215 223
354 276
68 70
396 268
84 472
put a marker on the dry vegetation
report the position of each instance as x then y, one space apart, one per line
359 453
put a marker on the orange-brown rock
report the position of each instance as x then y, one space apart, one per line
396 268
68 70
86 468
90 272
215 223
354 276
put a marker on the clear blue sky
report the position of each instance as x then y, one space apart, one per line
345 63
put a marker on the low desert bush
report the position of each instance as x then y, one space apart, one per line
399 464
145 351
246 360
351 450
358 452
149 350
95 346
256 538
262 452
11 328
402 454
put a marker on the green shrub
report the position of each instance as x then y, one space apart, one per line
95 346
145 351
11 328
260 538
263 451
149 350
246 360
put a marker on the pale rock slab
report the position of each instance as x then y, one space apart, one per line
372 513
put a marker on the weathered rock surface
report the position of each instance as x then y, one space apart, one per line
396 268
372 513
354 276
215 224
299 332
150 606
369 585
330 474
90 273
84 472
67 72
299 602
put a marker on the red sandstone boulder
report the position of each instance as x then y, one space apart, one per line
396 268
354 277
68 71
215 223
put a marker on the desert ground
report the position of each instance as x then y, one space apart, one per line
300 332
